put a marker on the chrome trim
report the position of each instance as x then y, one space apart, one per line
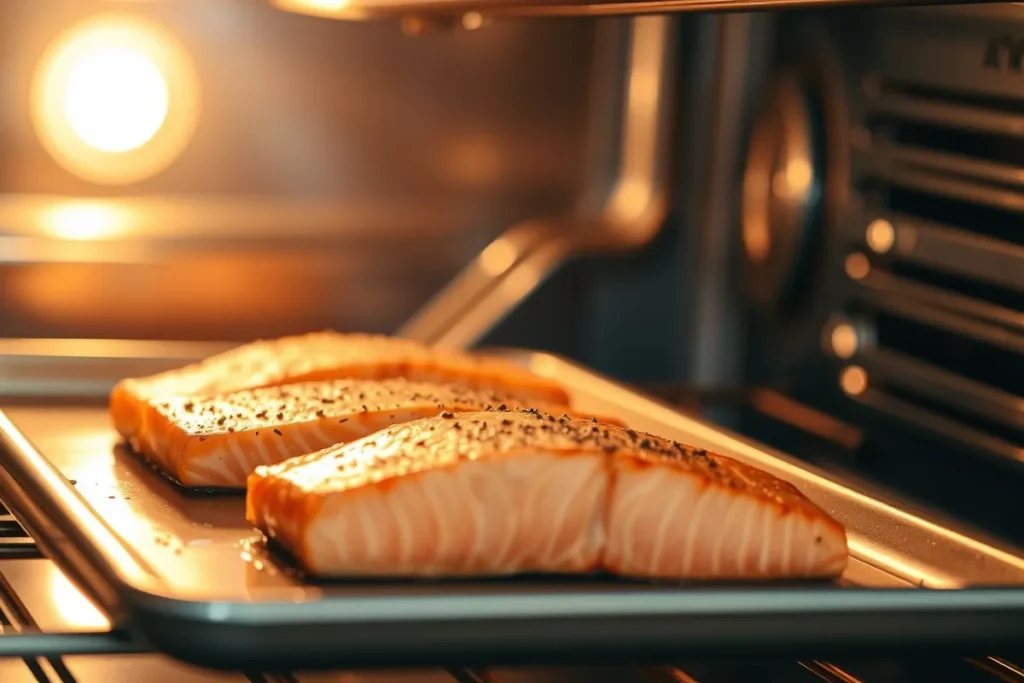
378 9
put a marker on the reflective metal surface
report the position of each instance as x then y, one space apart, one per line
305 193
87 368
627 217
35 594
782 183
366 9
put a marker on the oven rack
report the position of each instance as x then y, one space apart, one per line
43 652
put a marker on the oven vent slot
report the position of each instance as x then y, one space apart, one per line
947 132
940 306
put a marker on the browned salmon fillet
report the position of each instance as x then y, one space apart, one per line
218 441
322 356
496 493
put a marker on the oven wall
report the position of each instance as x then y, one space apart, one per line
339 173
878 325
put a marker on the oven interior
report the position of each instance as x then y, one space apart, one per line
833 266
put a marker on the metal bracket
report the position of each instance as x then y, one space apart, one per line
629 215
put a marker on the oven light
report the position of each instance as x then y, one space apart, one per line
115 99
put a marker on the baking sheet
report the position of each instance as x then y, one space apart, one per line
182 568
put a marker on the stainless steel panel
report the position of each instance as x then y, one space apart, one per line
625 217
338 175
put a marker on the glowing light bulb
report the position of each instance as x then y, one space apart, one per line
115 99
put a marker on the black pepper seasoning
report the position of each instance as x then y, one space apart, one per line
277 431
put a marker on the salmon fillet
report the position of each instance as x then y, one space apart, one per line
321 356
501 493
218 441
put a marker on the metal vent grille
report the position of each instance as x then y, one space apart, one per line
937 330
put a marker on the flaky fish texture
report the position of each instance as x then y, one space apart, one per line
216 442
497 493
321 356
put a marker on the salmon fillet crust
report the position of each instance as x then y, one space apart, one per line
321 356
497 493
218 441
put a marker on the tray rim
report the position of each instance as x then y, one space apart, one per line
89 550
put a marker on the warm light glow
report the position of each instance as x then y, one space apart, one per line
857 266
115 99
844 341
75 610
793 181
499 256
880 235
83 221
471 21
854 380
321 8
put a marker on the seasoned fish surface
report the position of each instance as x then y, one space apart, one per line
218 441
497 493
321 356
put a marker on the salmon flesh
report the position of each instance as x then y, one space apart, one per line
216 442
321 356
498 493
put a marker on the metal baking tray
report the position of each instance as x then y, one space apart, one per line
179 569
